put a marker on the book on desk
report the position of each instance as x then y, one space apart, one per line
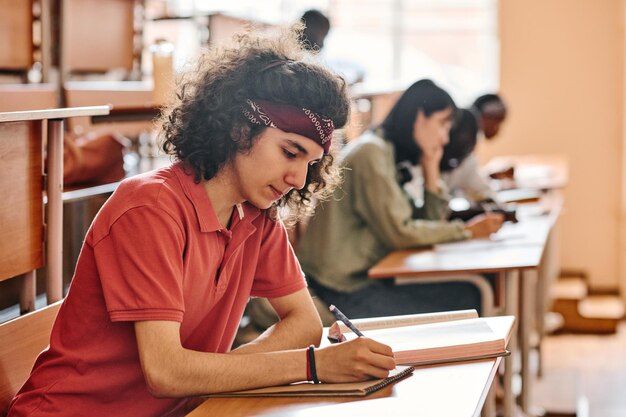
434 338
417 340
308 389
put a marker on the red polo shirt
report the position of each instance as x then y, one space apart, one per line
155 251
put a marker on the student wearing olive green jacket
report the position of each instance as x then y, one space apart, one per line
370 215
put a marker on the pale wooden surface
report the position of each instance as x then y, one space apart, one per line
589 367
63 113
22 340
16 32
21 207
514 247
451 390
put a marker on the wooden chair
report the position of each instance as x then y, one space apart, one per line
16 37
23 97
23 339
98 36
130 95
21 213
21 209
24 185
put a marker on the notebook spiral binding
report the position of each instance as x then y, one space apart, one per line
408 371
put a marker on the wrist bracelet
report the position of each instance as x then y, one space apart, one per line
311 362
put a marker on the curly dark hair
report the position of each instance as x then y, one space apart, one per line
205 126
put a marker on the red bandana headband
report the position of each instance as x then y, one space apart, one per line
291 119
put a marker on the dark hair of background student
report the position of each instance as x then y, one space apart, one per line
205 127
317 26
492 111
423 95
481 102
462 142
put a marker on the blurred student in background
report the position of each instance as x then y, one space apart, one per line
371 215
317 27
459 165
492 112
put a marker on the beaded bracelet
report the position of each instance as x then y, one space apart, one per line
311 371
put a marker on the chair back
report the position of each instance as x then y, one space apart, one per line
16 34
222 28
97 36
21 206
23 339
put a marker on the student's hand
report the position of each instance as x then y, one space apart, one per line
483 225
430 168
356 360
431 155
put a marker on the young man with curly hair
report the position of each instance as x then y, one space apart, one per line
174 255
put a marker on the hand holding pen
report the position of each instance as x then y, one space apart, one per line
358 359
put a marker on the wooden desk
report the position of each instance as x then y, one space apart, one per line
512 253
535 172
145 113
18 124
125 97
457 390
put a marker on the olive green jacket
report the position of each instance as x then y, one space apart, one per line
369 216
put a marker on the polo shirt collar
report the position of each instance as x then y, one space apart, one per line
196 193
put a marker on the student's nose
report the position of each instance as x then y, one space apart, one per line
296 177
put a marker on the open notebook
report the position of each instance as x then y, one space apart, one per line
426 339
307 389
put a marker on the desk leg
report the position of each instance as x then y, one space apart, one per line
489 408
54 233
510 308
28 293
528 281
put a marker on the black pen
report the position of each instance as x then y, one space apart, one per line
341 317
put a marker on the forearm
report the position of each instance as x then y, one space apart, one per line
421 233
189 373
296 330
432 174
171 370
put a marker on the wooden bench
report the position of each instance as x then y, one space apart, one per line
23 339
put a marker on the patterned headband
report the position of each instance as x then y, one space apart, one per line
291 119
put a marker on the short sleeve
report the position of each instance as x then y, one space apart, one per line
278 271
140 264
